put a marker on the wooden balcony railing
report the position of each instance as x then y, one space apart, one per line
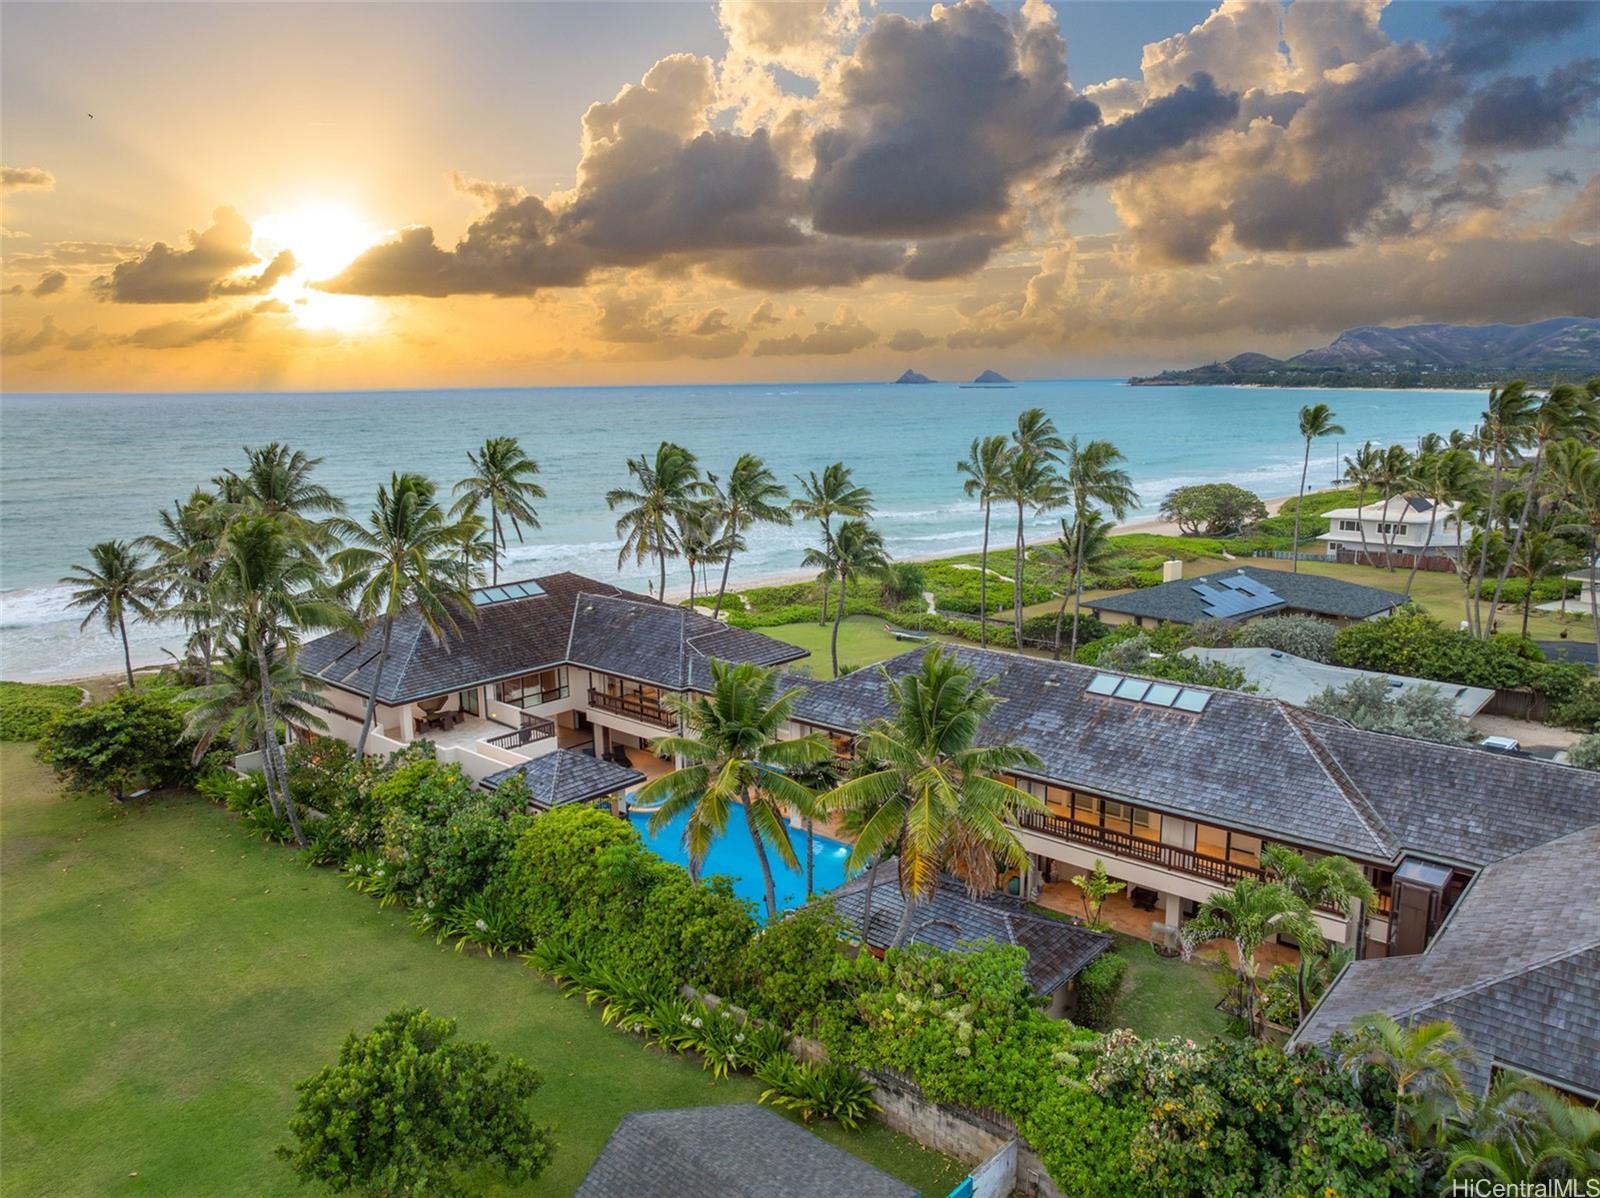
534 727
1136 848
635 707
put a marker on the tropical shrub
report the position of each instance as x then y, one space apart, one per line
1303 636
1420 712
812 1091
133 739
788 967
1213 509
903 582
1414 643
1582 710
26 707
1545 590
1099 988
407 1109
1156 653
1586 753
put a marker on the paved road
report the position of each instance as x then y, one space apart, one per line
1569 651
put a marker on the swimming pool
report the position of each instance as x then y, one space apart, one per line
732 854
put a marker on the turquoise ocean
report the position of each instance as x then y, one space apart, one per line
76 469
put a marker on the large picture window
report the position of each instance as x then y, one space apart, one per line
543 686
1224 845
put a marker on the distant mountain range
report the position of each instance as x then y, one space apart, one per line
1420 355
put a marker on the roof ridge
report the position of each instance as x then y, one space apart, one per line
1495 979
1381 834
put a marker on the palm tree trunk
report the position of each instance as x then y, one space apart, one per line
494 542
1490 513
127 658
1061 613
1516 536
1305 467
1463 572
269 736
761 858
838 618
1416 558
661 556
983 580
1362 521
1594 599
904 930
1077 589
1016 581
1383 518
727 561
811 858
866 906
372 695
1527 602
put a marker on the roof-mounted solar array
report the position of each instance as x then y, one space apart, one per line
1237 595
1151 694
505 592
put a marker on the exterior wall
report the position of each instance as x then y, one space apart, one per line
1435 560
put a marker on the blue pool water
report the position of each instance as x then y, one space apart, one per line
733 855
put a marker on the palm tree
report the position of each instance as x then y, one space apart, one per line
230 705
1362 472
1539 555
185 554
1030 480
118 582
1094 480
697 532
663 486
502 476
277 482
269 582
1328 882
854 550
1505 428
1077 552
735 756
937 796
985 468
1316 420
1248 916
1393 477
1524 1132
752 496
835 493
1446 476
1423 1062
408 553
1585 519
818 778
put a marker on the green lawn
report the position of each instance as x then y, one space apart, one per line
1167 996
168 979
862 641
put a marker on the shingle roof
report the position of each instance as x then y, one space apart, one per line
1295 679
568 776
1254 764
1057 951
735 1151
1516 967
1180 603
640 637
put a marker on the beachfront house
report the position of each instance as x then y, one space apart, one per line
560 667
1407 528
1241 595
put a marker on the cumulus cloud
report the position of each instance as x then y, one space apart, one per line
1521 112
844 334
25 178
54 254
636 324
206 268
16 342
50 283
1167 123
1483 35
908 340
181 334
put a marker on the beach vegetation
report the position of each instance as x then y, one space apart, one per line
751 496
984 469
832 495
118 583
663 487
1420 712
1213 509
1303 636
131 741
26 708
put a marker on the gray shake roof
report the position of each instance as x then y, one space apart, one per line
735 1151
1516 967
1057 950
567 776
1180 603
1254 764
573 621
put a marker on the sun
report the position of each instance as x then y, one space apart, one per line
324 239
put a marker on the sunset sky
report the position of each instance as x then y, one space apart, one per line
370 196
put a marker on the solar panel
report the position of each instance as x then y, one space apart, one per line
1243 582
1103 684
1161 694
1237 596
1191 700
1132 688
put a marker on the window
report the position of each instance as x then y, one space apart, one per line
1119 816
1223 845
1146 824
1057 801
1086 809
1396 529
544 686
1349 526
469 701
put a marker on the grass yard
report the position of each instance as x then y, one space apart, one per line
168 980
862 641
1167 996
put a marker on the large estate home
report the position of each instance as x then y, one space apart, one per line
1241 595
555 665
1408 527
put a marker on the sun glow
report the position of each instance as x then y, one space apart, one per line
324 240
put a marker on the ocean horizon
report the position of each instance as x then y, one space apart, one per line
76 468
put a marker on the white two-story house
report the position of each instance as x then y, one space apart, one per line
1411 527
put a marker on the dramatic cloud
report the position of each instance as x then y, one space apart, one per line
25 178
181 334
907 340
1521 112
844 334
638 327
1484 35
49 283
1167 123
207 268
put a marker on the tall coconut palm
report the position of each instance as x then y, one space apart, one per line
697 532
277 481
854 550
503 477
116 583
1565 411
1362 472
407 554
1446 476
938 797
833 494
1585 521
1031 481
818 778
1503 431
229 707
662 487
1393 479
752 495
1316 420
269 583
185 554
1248 916
985 468
735 758
1094 480
1077 552
1334 882
1422 1061
1540 554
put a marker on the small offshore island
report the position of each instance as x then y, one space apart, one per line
1422 355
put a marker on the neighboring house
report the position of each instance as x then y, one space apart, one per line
1177 789
1294 679
1516 967
1058 951
558 664
737 1150
1410 528
1244 594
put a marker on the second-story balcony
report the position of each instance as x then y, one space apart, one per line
633 707
1137 848
533 728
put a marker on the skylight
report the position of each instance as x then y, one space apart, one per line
1150 694
505 592
1103 684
